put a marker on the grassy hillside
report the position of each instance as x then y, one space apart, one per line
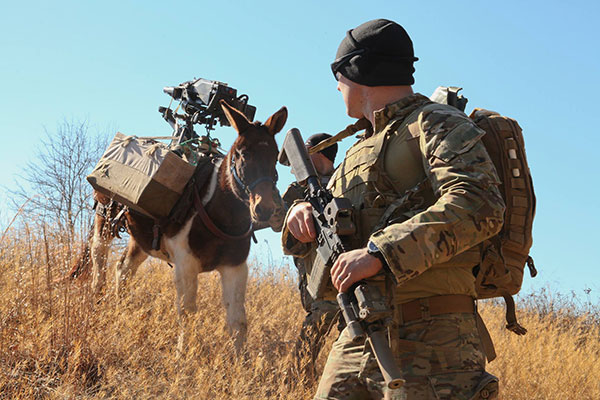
56 341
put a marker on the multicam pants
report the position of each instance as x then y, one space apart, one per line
440 358
319 319
315 327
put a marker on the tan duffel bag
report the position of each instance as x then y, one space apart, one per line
142 174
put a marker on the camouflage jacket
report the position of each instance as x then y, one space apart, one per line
425 192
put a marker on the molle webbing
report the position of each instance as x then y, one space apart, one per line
505 145
504 259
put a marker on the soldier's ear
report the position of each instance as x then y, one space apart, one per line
235 117
276 121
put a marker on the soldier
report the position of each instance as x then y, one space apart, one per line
425 195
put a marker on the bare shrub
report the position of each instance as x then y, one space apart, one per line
53 181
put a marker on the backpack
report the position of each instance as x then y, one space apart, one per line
504 256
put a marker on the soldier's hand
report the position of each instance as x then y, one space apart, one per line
300 223
353 266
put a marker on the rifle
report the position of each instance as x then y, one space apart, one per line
364 308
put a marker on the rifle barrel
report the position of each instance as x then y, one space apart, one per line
390 371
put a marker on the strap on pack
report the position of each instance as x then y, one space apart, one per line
118 223
403 199
511 316
449 95
486 339
156 234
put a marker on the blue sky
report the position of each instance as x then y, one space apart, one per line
107 62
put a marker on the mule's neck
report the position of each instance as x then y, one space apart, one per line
228 208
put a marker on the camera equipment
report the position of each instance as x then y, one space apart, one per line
199 100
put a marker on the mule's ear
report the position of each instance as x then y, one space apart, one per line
276 122
235 117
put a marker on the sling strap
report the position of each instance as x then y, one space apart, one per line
350 130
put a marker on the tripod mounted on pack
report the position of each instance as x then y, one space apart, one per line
199 101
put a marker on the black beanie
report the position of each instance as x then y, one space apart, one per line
376 53
329 152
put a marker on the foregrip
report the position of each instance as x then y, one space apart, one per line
358 311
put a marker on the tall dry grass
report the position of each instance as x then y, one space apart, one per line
57 341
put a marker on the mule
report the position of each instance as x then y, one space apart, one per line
215 227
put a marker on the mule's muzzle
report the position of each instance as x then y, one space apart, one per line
262 214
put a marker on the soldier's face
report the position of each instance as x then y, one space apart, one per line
322 164
352 94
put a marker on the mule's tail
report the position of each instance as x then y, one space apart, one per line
81 265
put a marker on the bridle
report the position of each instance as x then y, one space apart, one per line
244 187
246 190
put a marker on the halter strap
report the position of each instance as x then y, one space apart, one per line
210 225
241 185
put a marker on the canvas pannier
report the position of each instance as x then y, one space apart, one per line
141 174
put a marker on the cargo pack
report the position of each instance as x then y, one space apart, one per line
142 174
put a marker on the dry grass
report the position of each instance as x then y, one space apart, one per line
56 341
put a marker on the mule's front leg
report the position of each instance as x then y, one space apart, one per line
233 281
186 283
